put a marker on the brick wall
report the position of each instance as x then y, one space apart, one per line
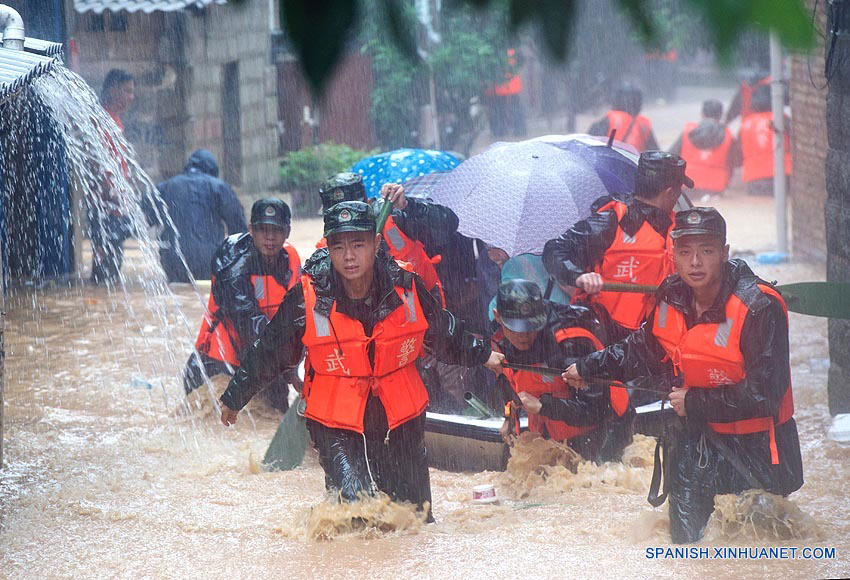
809 146
234 33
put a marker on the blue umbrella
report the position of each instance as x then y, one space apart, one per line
400 165
616 166
517 196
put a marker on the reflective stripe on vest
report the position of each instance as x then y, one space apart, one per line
708 355
640 259
218 338
342 373
709 168
637 136
757 147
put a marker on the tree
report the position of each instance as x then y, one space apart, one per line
320 28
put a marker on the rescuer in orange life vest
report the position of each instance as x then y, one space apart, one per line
364 319
529 330
624 116
625 240
416 231
251 273
756 137
723 333
710 151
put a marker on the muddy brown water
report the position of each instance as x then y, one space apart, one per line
106 477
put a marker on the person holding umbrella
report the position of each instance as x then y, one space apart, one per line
532 331
416 231
626 240
724 333
364 320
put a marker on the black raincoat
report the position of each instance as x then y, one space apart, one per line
427 222
591 406
394 460
698 467
234 263
582 247
200 206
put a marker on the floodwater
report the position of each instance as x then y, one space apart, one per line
108 474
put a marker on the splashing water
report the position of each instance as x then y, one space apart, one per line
367 518
760 516
541 468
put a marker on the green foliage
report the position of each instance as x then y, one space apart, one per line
319 30
468 57
302 171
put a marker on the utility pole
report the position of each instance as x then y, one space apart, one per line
777 94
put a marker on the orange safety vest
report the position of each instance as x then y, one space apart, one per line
709 356
404 249
537 385
342 375
747 91
642 259
757 147
218 338
632 130
709 168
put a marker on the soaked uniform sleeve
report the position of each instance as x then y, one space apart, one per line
637 355
427 222
446 336
585 406
582 246
764 344
279 349
234 295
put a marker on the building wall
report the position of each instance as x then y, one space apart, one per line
809 146
838 215
213 38
178 59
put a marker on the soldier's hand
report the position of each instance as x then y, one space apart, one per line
228 415
530 403
677 400
394 194
494 363
590 282
572 378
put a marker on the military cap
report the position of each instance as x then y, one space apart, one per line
521 306
349 216
658 170
342 187
271 211
699 220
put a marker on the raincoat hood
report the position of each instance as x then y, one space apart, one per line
709 134
203 161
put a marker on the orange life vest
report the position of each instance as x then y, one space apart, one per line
342 375
747 91
218 338
709 168
537 385
708 356
632 130
404 249
757 147
642 259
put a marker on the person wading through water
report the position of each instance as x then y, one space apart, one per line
363 319
529 330
626 240
723 332
251 274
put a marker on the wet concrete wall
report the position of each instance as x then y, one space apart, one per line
837 211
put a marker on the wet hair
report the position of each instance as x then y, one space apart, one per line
628 98
114 78
712 109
